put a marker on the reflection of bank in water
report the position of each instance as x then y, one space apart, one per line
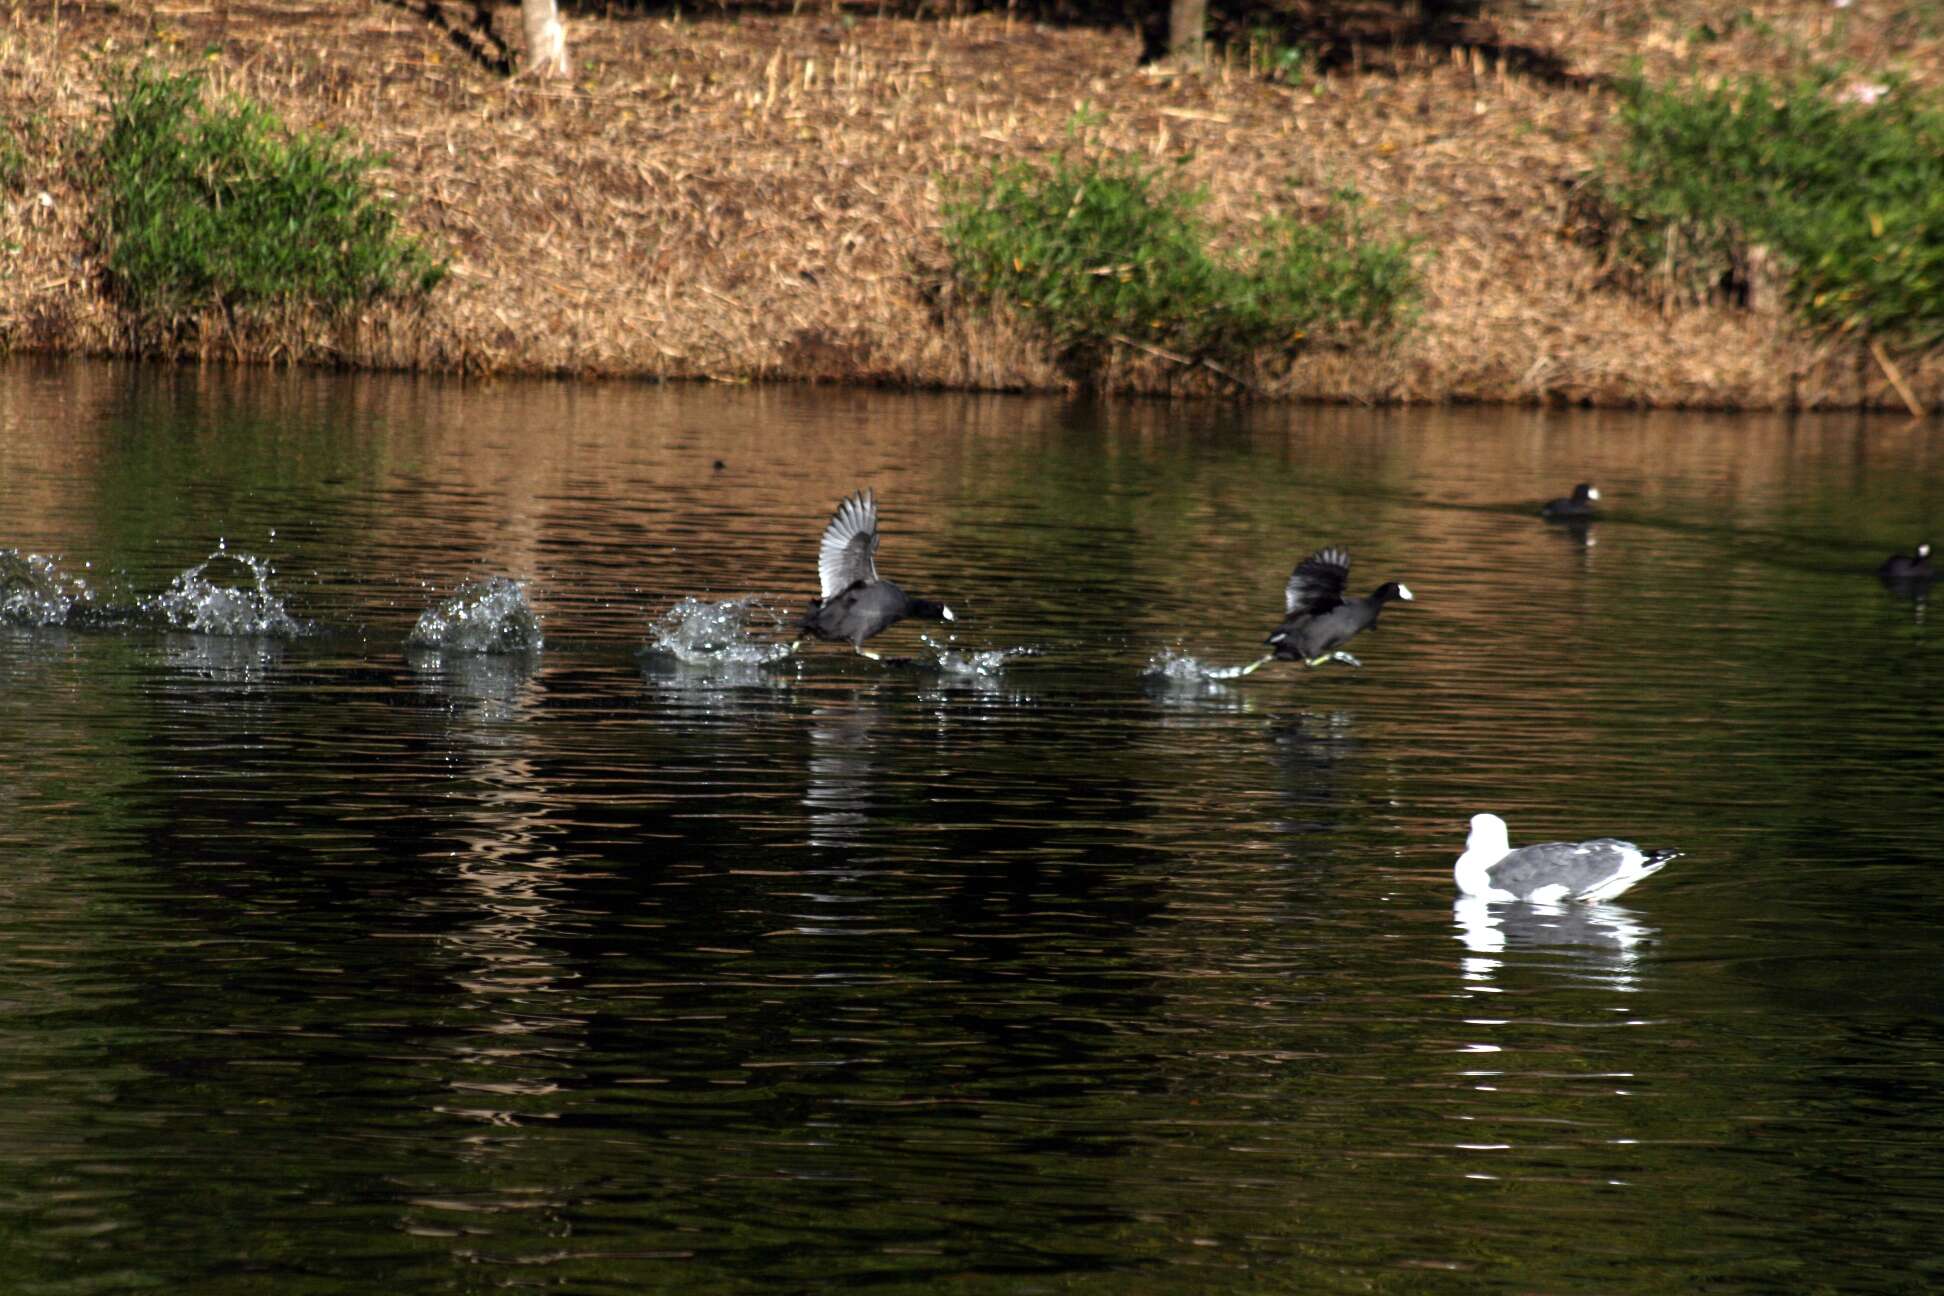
1603 942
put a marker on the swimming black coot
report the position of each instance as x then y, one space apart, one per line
1590 870
1578 505
856 604
1908 568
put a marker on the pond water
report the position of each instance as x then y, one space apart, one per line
1037 961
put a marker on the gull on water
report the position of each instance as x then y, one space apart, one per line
1590 870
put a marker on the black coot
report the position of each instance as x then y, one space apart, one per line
856 603
1908 569
1320 620
1578 505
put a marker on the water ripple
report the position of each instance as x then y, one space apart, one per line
673 959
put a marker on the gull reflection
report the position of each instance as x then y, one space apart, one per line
1602 941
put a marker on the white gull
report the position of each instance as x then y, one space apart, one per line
1590 870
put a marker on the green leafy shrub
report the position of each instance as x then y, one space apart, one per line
1849 195
220 205
1102 251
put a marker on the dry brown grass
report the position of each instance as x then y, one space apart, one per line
758 199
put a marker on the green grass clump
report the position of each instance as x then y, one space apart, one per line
13 158
218 205
1101 252
1849 195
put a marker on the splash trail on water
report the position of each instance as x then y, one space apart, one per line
197 603
1173 668
986 663
485 617
35 592
699 633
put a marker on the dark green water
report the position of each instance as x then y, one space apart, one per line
326 967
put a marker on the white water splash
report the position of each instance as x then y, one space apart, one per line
485 617
195 601
715 634
1177 669
989 663
35 592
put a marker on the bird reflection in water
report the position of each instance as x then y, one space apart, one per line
1576 531
838 795
1603 941
1183 683
224 659
1909 577
491 686
1310 750
511 1033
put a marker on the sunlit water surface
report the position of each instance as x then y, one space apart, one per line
424 868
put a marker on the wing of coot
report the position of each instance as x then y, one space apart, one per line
848 551
1317 584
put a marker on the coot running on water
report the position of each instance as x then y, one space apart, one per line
856 603
1320 620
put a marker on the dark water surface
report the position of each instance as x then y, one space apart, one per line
330 967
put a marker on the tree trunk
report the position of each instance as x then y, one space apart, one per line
546 40
1187 27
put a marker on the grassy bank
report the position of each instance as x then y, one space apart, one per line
762 197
